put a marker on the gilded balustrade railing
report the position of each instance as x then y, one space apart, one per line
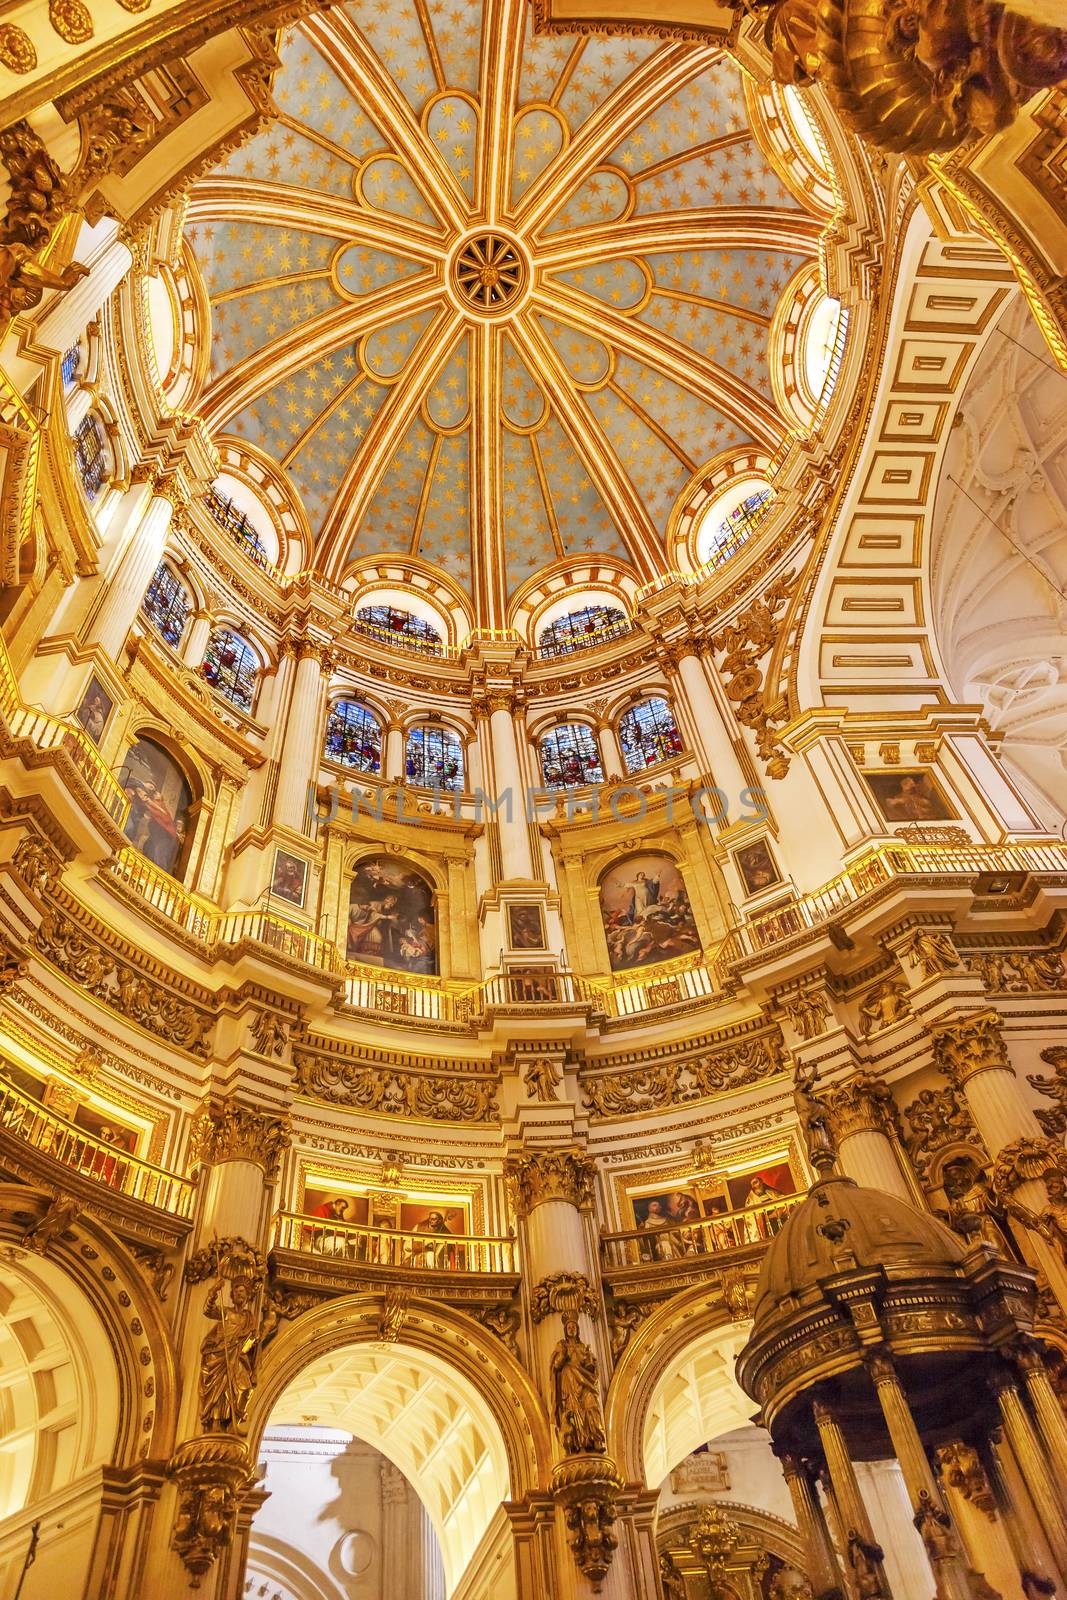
98 1160
703 1236
392 1247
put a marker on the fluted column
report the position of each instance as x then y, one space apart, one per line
863 1121
121 598
552 1194
1026 1447
972 1055
393 753
299 758
969 1494
850 1506
931 1518
73 309
1048 1413
826 1574
1016 1508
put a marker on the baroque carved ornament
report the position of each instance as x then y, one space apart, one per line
402 1094
543 1175
225 1130
654 1088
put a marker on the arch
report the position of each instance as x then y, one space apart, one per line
244 515
94 463
390 618
162 799
659 1407
563 627
435 1344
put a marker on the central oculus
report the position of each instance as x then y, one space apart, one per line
489 273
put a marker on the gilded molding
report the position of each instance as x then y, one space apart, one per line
973 1044
211 1474
394 1093
745 642
861 1105
542 1175
655 1088
225 1130
564 1291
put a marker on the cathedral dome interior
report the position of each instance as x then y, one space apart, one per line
533 800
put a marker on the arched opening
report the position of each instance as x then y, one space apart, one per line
159 823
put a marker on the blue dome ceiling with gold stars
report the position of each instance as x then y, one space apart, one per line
491 298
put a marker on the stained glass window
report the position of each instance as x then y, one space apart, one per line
166 604
354 737
434 758
721 536
90 455
231 668
70 365
648 734
393 626
578 630
570 756
237 525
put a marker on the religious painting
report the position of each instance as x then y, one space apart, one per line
104 1127
760 1188
437 1229
95 708
757 867
331 1205
289 881
912 796
417 1216
160 800
526 930
391 917
662 1209
646 912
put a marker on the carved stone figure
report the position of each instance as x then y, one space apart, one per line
808 1013
1052 1223
62 1213
576 1409
884 1005
623 1318
933 952
916 79
961 1469
670 1579
865 1559
934 1526
1053 1121
271 1033
1041 972
592 1537
973 1211
789 1584
229 1352
203 1526
814 1116
542 1079
937 1117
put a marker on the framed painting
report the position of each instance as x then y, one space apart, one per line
289 879
526 928
646 912
757 867
909 796
95 709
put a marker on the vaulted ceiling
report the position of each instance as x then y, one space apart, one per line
490 298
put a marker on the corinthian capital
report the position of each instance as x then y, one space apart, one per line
862 1105
973 1044
550 1175
225 1130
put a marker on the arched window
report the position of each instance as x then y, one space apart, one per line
578 630
90 455
70 366
354 737
731 519
231 668
648 734
167 604
570 757
434 758
237 525
391 625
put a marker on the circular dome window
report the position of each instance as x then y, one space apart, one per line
731 519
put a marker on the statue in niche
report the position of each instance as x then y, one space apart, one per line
973 1212
542 1080
576 1393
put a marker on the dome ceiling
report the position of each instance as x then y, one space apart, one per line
490 298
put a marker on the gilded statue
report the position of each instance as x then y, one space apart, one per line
542 1079
813 1115
576 1407
934 1527
973 1212
229 1351
1053 1120
914 78
933 952
882 1007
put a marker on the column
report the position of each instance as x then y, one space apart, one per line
1016 1508
970 1497
1048 1413
509 786
855 1523
1026 1447
121 599
393 754
610 750
931 1519
818 1545
715 746
70 312
863 1122
300 749
972 1056
239 1149
195 642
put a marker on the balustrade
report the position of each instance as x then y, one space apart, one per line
704 1236
98 1160
387 1247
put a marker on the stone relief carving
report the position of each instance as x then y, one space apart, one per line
1053 1120
1025 972
270 1033
652 1088
932 953
439 1099
745 643
542 1079
211 1474
884 1005
225 1130
808 1013
81 958
937 1118
564 1292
